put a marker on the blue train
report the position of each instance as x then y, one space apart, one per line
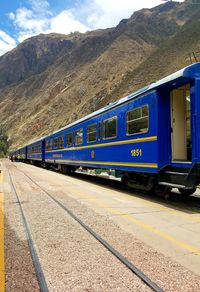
151 138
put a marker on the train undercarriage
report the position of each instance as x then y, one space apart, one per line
185 180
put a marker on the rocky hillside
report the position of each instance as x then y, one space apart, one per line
51 80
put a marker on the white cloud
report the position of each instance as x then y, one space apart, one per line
23 35
29 22
25 19
91 14
104 13
39 19
11 15
40 6
7 43
66 23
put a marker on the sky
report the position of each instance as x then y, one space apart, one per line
21 19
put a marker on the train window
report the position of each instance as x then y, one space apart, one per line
79 137
92 133
137 120
69 139
55 143
51 144
61 142
37 149
110 128
99 131
47 145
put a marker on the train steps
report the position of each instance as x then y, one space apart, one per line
175 177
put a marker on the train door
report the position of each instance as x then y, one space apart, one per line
181 124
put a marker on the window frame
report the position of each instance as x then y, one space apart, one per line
103 123
69 145
55 146
95 124
99 134
38 149
51 143
80 129
47 145
35 149
61 138
127 134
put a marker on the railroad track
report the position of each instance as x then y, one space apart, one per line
110 248
38 269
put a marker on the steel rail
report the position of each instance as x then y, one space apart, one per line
37 266
109 247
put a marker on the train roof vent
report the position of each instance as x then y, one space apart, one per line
138 92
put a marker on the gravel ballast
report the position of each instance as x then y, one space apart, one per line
19 269
73 260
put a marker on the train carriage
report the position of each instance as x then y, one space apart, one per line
19 154
151 137
122 138
35 152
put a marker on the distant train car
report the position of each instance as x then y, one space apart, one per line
19 155
35 152
150 137
23 154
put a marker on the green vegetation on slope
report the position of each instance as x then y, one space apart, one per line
4 145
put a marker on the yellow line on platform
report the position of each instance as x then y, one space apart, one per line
2 271
177 213
166 209
145 226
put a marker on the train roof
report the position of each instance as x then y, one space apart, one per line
191 71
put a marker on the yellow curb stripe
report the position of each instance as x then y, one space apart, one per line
156 206
2 271
162 234
147 227
167 210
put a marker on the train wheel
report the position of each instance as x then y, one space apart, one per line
69 170
161 191
187 192
125 180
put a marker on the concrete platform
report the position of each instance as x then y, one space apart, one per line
161 237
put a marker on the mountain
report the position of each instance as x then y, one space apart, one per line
172 55
51 80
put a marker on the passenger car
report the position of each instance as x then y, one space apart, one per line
151 137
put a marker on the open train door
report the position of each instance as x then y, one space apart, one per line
181 124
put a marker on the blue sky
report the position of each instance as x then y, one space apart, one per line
21 19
